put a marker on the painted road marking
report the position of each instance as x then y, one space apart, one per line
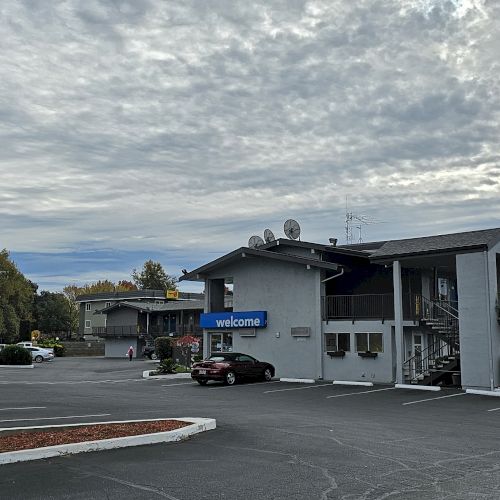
362 392
55 418
433 399
243 385
74 382
183 383
25 408
494 409
298 388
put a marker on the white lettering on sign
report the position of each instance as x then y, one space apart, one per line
232 322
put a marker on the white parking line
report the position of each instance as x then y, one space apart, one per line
433 399
55 418
183 383
25 408
298 388
243 385
362 392
74 382
494 409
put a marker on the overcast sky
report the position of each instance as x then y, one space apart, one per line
174 130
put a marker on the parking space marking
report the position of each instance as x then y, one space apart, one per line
25 408
54 418
362 392
183 383
433 399
494 409
298 388
75 382
243 385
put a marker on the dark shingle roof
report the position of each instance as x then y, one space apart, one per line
178 305
436 244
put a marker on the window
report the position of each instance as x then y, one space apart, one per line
88 323
87 306
246 359
337 342
108 304
369 342
158 301
221 342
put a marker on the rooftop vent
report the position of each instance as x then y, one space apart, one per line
333 241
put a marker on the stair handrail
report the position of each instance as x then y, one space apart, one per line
433 303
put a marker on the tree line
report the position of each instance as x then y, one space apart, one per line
24 309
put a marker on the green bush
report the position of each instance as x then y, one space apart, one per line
197 358
54 344
166 366
15 355
163 347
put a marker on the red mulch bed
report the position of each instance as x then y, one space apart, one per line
26 440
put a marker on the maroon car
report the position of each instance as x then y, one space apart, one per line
228 367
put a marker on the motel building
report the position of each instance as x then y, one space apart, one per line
415 311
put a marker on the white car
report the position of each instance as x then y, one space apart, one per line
38 354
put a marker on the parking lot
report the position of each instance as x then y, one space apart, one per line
273 440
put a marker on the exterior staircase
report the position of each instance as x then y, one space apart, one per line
439 362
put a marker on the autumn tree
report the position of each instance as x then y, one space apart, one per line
152 276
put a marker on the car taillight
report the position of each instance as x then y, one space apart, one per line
220 365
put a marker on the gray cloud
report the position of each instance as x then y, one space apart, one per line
174 124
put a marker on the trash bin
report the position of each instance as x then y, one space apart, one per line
456 379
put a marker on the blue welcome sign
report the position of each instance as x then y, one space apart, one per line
244 319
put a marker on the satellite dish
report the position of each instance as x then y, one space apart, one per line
292 229
269 236
255 241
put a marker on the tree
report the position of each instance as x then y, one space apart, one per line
53 314
152 276
16 299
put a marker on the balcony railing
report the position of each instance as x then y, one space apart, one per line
115 331
369 306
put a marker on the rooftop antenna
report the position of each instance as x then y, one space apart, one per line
358 221
269 236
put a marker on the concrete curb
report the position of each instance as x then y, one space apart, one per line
298 380
418 387
480 392
17 367
198 425
145 374
348 382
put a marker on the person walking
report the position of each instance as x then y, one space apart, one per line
130 353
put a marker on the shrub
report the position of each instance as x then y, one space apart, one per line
15 355
197 358
166 366
54 344
163 347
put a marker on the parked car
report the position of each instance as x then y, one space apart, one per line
38 354
25 344
228 367
149 352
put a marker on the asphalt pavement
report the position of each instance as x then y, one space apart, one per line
273 440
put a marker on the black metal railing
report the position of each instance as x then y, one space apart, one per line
368 306
115 331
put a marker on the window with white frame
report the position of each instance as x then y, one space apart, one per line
158 301
108 304
87 306
88 323
369 342
337 342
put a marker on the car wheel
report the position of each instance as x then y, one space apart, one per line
230 378
268 375
38 359
202 382
154 356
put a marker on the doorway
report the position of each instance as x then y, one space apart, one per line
221 341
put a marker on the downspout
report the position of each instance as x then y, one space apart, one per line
334 276
490 340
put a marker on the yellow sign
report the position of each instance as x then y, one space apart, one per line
35 335
172 294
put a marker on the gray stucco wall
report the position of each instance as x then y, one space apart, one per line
475 320
495 326
353 367
118 347
290 294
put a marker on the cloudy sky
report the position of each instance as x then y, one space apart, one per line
174 130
